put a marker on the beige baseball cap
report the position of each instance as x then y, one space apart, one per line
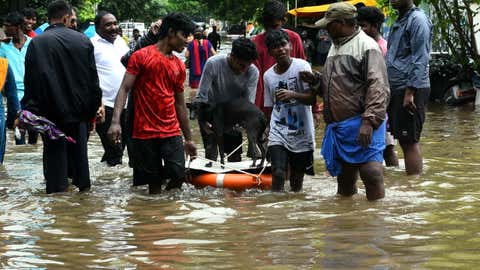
337 11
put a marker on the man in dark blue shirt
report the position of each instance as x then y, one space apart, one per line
408 54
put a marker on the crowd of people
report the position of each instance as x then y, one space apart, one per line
133 97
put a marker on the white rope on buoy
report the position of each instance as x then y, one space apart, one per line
231 168
238 147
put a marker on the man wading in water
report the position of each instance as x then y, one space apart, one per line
156 77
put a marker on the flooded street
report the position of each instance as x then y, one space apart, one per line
426 223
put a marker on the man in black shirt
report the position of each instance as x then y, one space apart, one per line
61 84
214 38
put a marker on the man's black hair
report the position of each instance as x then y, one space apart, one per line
244 49
176 22
15 18
98 18
57 9
372 15
135 30
272 10
276 38
29 13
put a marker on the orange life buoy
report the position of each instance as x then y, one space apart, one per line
235 181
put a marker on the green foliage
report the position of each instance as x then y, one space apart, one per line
454 26
390 13
86 9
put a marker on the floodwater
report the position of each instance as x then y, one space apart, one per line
423 223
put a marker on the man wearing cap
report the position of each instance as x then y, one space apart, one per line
354 86
408 55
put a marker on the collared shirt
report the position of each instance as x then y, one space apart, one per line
16 60
408 52
354 80
110 69
133 43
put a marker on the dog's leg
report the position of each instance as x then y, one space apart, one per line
252 144
221 148
262 152
261 142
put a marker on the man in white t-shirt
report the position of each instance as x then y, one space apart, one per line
291 139
109 48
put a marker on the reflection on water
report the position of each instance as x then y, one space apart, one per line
426 223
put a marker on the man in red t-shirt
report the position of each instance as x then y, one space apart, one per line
156 77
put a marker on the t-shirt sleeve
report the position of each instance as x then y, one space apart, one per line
135 64
179 84
267 99
206 81
252 84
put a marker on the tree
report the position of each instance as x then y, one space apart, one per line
454 24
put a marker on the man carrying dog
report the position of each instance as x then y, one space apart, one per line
354 86
225 78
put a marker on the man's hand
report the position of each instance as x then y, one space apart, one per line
190 149
365 134
114 133
155 26
408 101
285 95
308 77
101 114
91 127
16 123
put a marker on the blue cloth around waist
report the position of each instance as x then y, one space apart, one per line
340 145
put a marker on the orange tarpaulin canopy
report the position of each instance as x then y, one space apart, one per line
317 11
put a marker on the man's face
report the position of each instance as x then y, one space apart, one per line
178 40
30 22
10 29
335 29
281 53
368 28
73 21
400 4
239 66
108 28
136 34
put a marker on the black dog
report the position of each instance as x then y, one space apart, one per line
225 116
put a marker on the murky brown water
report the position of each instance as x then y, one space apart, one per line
426 223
